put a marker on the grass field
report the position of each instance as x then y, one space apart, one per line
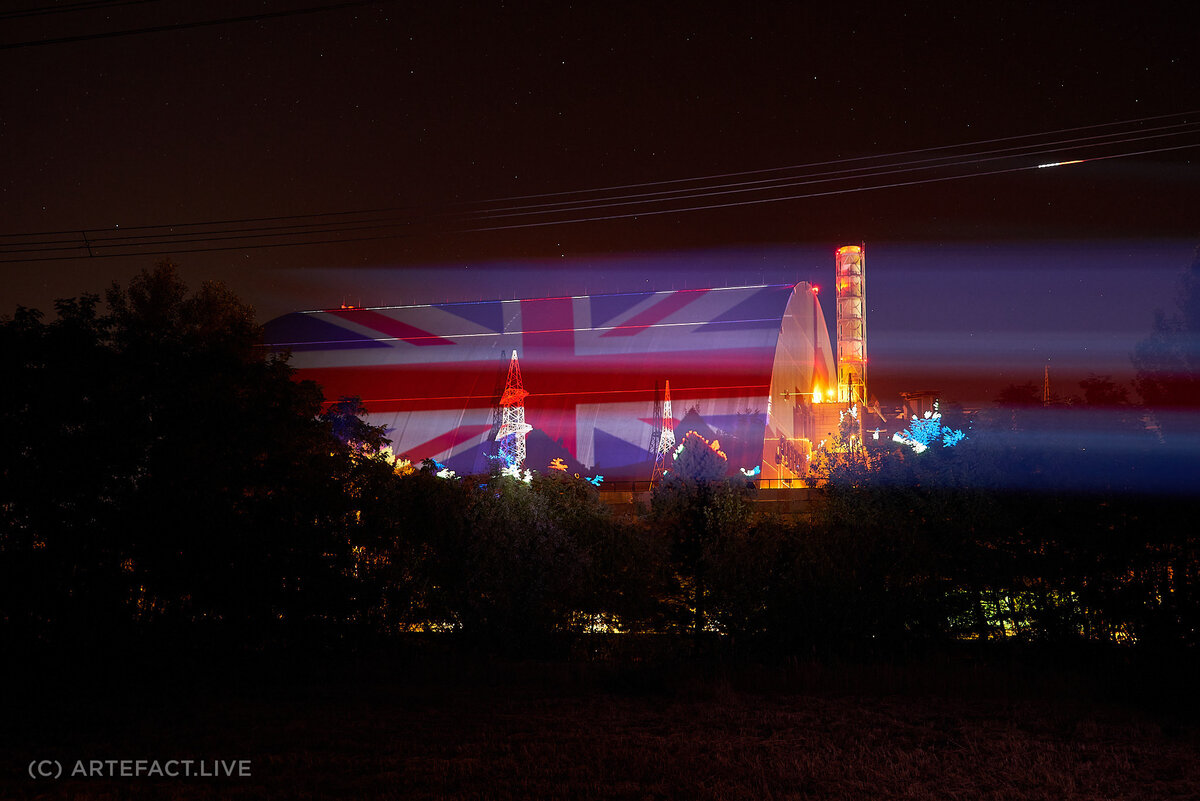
464 729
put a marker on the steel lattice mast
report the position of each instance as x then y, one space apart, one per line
513 427
666 439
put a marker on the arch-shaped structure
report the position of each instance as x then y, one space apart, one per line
742 362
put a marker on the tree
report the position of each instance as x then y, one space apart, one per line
66 468
345 419
1168 361
1018 395
843 457
166 468
694 510
698 460
1102 391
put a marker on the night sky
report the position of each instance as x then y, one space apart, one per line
426 119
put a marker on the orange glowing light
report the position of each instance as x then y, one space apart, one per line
816 289
816 394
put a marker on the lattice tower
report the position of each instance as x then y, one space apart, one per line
666 439
513 428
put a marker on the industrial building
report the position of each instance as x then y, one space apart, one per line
752 367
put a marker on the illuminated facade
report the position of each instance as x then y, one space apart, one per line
851 325
745 364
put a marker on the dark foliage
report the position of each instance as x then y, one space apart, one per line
160 469
503 564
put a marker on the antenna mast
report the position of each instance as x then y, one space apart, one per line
666 438
513 427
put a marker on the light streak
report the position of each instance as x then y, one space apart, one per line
1061 163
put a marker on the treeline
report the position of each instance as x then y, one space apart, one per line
164 477
158 469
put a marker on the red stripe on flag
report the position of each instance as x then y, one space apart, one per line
563 401
391 326
549 343
555 382
656 313
456 385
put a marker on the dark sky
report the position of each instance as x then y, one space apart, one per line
417 109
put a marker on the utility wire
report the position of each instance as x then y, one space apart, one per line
97 249
406 209
976 143
573 220
756 201
184 25
790 181
106 239
349 225
93 5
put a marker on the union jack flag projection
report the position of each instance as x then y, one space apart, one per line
738 360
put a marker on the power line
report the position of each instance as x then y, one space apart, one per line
805 196
791 181
216 236
806 165
404 209
159 226
184 25
99 247
92 5
175 251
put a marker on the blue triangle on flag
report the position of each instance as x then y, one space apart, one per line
611 451
763 309
606 307
300 332
467 461
489 314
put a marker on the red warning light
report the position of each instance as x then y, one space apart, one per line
816 289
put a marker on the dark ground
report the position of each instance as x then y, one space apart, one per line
452 725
